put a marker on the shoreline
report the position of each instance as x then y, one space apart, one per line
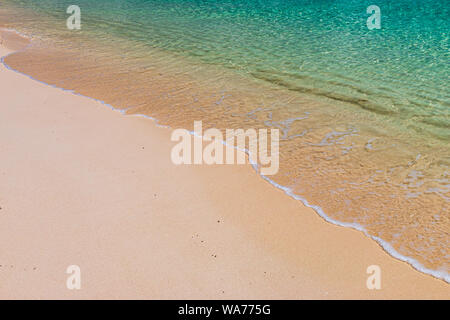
386 246
244 227
379 192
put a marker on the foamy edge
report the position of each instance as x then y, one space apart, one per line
387 247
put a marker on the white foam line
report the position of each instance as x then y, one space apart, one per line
385 245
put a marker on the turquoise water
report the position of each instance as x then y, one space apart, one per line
316 47
369 147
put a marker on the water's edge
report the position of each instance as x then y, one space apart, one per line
288 191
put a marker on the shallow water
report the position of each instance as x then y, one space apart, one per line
363 114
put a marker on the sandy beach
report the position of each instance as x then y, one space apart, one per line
81 184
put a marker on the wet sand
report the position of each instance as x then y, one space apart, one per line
84 185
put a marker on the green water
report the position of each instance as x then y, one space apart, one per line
385 95
316 47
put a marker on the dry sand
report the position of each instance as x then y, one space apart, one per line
83 185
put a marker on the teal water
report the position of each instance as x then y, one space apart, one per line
317 47
378 138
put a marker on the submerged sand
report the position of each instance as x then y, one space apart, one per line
84 185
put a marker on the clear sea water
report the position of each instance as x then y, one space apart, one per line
364 114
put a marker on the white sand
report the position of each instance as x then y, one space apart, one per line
83 185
